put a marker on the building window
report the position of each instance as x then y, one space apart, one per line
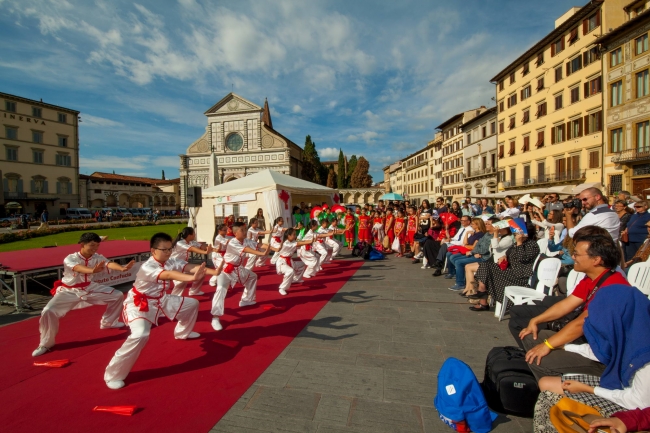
540 139
11 153
38 156
591 23
558 101
573 36
574 65
642 84
37 137
616 141
643 136
557 134
641 44
501 85
526 146
63 118
11 133
511 125
617 93
557 46
575 128
575 94
540 59
493 128
234 142
526 69
590 56
526 118
512 100
615 183
512 78
501 106
10 106
541 110
593 87
540 84
513 176
39 185
511 151
63 141
37 112
483 132
63 160
616 57
502 128
525 93
594 159
558 73
63 186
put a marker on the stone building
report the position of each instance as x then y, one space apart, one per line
238 140
480 154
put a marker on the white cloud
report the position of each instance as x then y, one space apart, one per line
402 146
368 136
328 152
141 163
296 109
87 119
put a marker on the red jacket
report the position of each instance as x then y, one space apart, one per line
635 420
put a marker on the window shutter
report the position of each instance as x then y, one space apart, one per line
585 27
20 185
46 190
58 187
586 90
540 139
5 185
508 102
522 94
587 125
599 84
579 127
32 186
562 42
599 121
553 135
585 58
598 19
568 69
568 130
552 49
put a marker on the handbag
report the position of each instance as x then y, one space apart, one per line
386 243
625 235
503 264
571 416
395 246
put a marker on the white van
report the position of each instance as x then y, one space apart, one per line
74 213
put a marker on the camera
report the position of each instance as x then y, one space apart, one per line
576 203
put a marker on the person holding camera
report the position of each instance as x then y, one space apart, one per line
598 213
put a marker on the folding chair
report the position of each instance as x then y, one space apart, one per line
639 277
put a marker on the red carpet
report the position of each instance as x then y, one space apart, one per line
40 258
179 385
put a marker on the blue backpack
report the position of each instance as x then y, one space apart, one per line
375 255
460 401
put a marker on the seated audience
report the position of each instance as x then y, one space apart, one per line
477 250
635 231
643 253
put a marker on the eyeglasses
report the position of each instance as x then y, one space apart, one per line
164 250
638 207
586 198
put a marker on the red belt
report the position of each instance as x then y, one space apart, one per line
59 283
307 247
229 268
277 239
221 252
287 259
141 300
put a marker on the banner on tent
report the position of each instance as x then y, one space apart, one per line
236 198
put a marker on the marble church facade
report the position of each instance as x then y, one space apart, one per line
239 140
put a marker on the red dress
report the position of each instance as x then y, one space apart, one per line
411 228
376 221
399 224
364 228
349 228
390 220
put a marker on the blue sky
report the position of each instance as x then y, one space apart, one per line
371 77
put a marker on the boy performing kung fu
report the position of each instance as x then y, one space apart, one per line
77 289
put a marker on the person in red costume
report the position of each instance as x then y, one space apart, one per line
364 228
624 421
389 227
400 232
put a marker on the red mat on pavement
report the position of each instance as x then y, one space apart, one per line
177 385
42 258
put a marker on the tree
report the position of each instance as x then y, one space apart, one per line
341 179
352 164
360 177
331 178
312 169
163 175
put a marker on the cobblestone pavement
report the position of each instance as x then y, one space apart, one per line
368 362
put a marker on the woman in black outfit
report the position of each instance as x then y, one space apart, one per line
456 210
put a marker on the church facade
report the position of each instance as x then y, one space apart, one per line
239 140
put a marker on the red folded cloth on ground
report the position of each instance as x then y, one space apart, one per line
56 364
118 410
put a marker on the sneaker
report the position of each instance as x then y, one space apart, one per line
437 273
191 336
197 294
419 255
115 384
40 350
480 307
415 261
456 288
283 292
216 324
425 267
246 303
408 255
116 325
450 277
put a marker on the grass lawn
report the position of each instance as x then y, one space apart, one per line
128 233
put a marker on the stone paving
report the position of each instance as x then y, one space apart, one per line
368 362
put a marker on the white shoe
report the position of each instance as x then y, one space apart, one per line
115 384
197 294
246 303
216 324
283 292
40 350
419 256
306 276
191 336
114 326
425 267
213 281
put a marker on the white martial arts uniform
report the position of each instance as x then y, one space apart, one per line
145 302
182 252
309 257
78 291
334 244
253 260
276 241
232 273
220 243
323 248
292 270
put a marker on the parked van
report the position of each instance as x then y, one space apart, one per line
74 213
124 212
136 212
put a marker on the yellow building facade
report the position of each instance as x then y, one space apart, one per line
626 68
550 104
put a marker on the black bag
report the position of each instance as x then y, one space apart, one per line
365 252
358 250
509 385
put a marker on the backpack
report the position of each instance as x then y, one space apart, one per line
375 255
509 385
460 401
356 251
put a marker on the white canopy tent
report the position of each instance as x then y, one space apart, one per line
275 193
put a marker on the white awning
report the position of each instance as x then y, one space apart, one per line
265 181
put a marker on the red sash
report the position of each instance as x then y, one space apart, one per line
307 247
229 268
287 259
59 283
142 301
277 239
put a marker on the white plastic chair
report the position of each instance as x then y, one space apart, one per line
547 276
543 245
639 277
572 281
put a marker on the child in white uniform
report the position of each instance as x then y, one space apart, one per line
276 237
253 234
78 290
183 245
306 253
333 243
234 272
147 300
291 269
219 249
321 246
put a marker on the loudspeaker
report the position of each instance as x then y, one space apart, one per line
194 197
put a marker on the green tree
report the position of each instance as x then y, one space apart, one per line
163 175
341 179
331 178
352 164
312 169
360 176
